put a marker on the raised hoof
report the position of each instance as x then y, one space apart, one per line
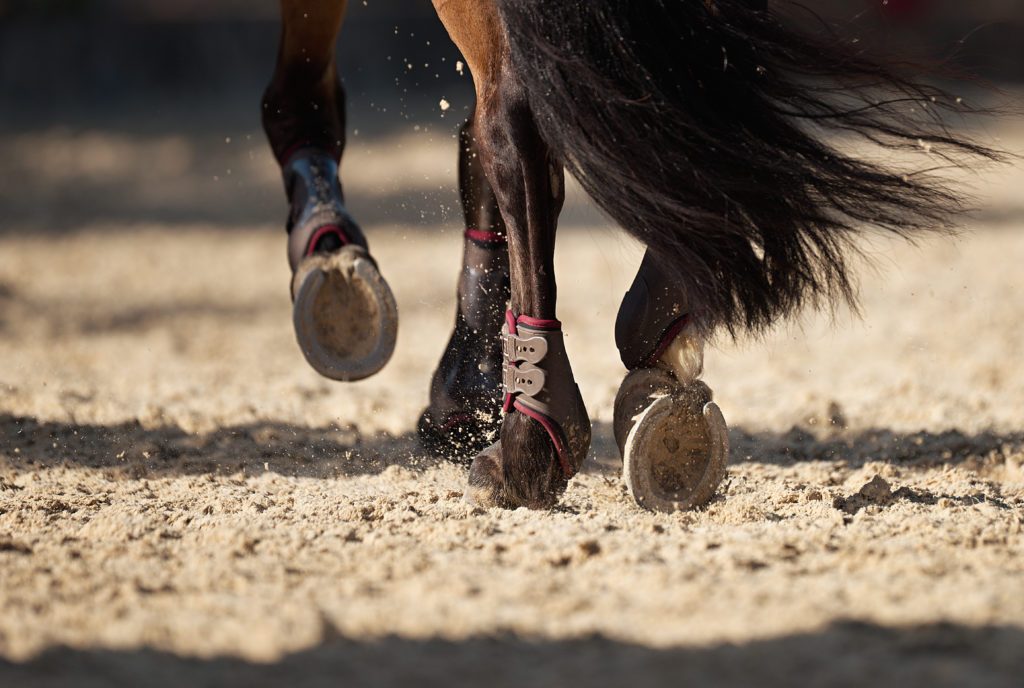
344 313
460 438
484 487
674 441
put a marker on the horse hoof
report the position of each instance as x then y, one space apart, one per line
638 390
344 313
484 487
675 443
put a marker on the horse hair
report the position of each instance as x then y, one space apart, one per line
530 468
706 130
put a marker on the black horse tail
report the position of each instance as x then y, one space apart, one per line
707 130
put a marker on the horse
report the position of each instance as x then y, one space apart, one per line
704 128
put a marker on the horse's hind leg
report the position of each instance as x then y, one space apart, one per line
465 393
344 313
672 437
546 433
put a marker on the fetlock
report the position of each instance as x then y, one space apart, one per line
653 313
317 218
538 382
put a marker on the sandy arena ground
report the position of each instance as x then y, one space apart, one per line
184 502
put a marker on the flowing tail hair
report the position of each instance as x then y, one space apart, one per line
706 129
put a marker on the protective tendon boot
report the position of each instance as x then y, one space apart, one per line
344 312
464 414
537 380
672 437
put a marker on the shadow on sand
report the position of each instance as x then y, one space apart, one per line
843 654
132 450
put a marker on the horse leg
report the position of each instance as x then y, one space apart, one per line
465 393
545 433
672 437
344 313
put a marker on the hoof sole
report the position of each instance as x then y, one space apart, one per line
344 313
676 444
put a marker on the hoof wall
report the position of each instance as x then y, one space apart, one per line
344 313
675 446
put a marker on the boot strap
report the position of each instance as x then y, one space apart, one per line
533 355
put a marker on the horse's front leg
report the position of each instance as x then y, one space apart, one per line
344 314
465 396
546 432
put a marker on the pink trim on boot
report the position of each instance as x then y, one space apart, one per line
539 322
554 433
667 340
321 233
480 235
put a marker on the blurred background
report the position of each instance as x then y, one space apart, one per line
134 110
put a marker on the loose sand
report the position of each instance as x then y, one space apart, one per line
184 502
